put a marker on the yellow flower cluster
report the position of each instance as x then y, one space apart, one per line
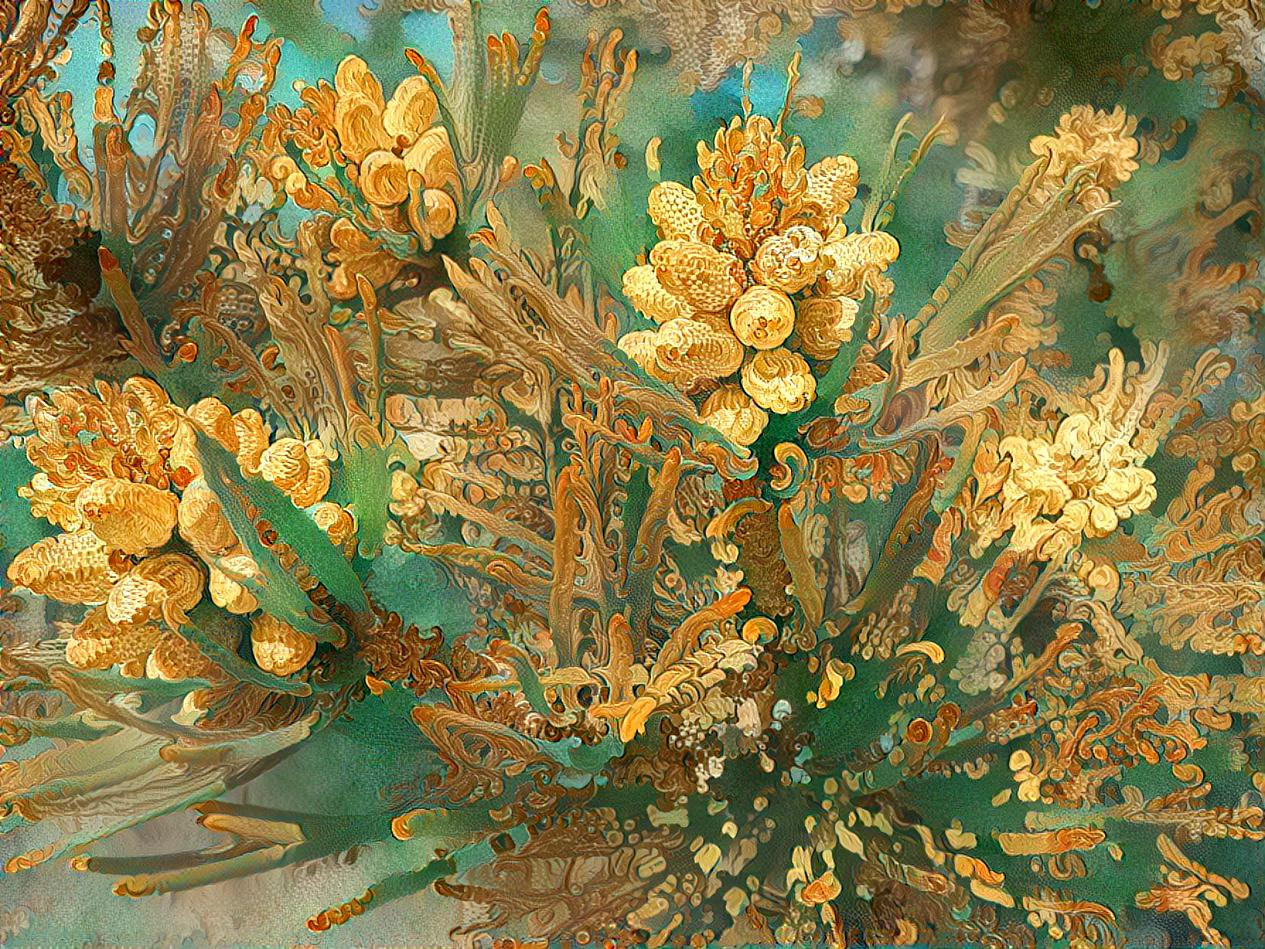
120 474
753 272
1091 138
1080 480
394 150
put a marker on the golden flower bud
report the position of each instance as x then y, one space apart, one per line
214 418
134 599
762 317
252 438
166 586
76 567
128 516
690 351
441 212
732 412
823 324
228 594
431 157
639 346
202 522
643 290
832 184
278 647
383 179
702 276
675 210
96 643
335 521
789 261
183 461
412 109
299 469
149 395
779 380
358 109
175 658
857 261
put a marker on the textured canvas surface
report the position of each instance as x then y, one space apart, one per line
632 472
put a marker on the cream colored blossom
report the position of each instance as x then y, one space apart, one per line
789 261
824 324
128 516
228 594
74 567
857 262
697 274
674 210
762 317
1083 481
401 154
1079 480
832 184
734 414
689 351
175 658
779 380
639 346
643 290
1086 136
278 647
300 469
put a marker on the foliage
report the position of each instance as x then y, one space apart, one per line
676 538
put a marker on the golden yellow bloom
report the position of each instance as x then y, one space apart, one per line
832 184
75 567
401 154
789 261
439 212
244 434
701 276
383 179
823 324
779 380
252 438
175 658
164 586
856 262
643 290
335 521
639 346
757 230
96 643
690 351
300 469
227 593
184 461
82 436
1086 477
1079 479
1089 136
129 517
752 184
55 503
675 210
278 647
732 412
203 524
762 317
215 418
